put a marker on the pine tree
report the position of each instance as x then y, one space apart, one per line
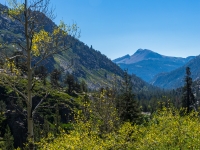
70 81
128 107
188 100
83 86
55 77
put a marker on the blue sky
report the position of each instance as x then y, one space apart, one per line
120 27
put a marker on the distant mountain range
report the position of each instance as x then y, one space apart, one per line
175 78
147 64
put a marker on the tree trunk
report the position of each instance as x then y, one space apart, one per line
29 86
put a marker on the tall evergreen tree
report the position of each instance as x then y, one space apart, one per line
70 81
55 77
128 107
83 86
188 100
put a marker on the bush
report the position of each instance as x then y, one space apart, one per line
166 130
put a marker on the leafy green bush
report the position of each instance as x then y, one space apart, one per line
166 130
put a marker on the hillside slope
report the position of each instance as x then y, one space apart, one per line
88 64
175 79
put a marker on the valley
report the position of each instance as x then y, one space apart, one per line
56 92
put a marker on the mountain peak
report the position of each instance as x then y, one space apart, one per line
143 54
143 50
146 51
139 55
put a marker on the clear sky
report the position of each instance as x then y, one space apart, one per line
120 27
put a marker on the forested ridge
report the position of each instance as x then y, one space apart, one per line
58 93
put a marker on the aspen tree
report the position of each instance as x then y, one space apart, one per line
37 46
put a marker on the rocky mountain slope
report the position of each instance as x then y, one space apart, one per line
147 64
175 78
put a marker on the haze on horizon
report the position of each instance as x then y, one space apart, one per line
117 28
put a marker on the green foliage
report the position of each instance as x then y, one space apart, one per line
83 86
169 130
166 130
103 110
8 140
2 107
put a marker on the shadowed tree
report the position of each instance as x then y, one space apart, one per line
55 77
188 100
2 107
128 107
41 72
83 86
8 140
70 81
